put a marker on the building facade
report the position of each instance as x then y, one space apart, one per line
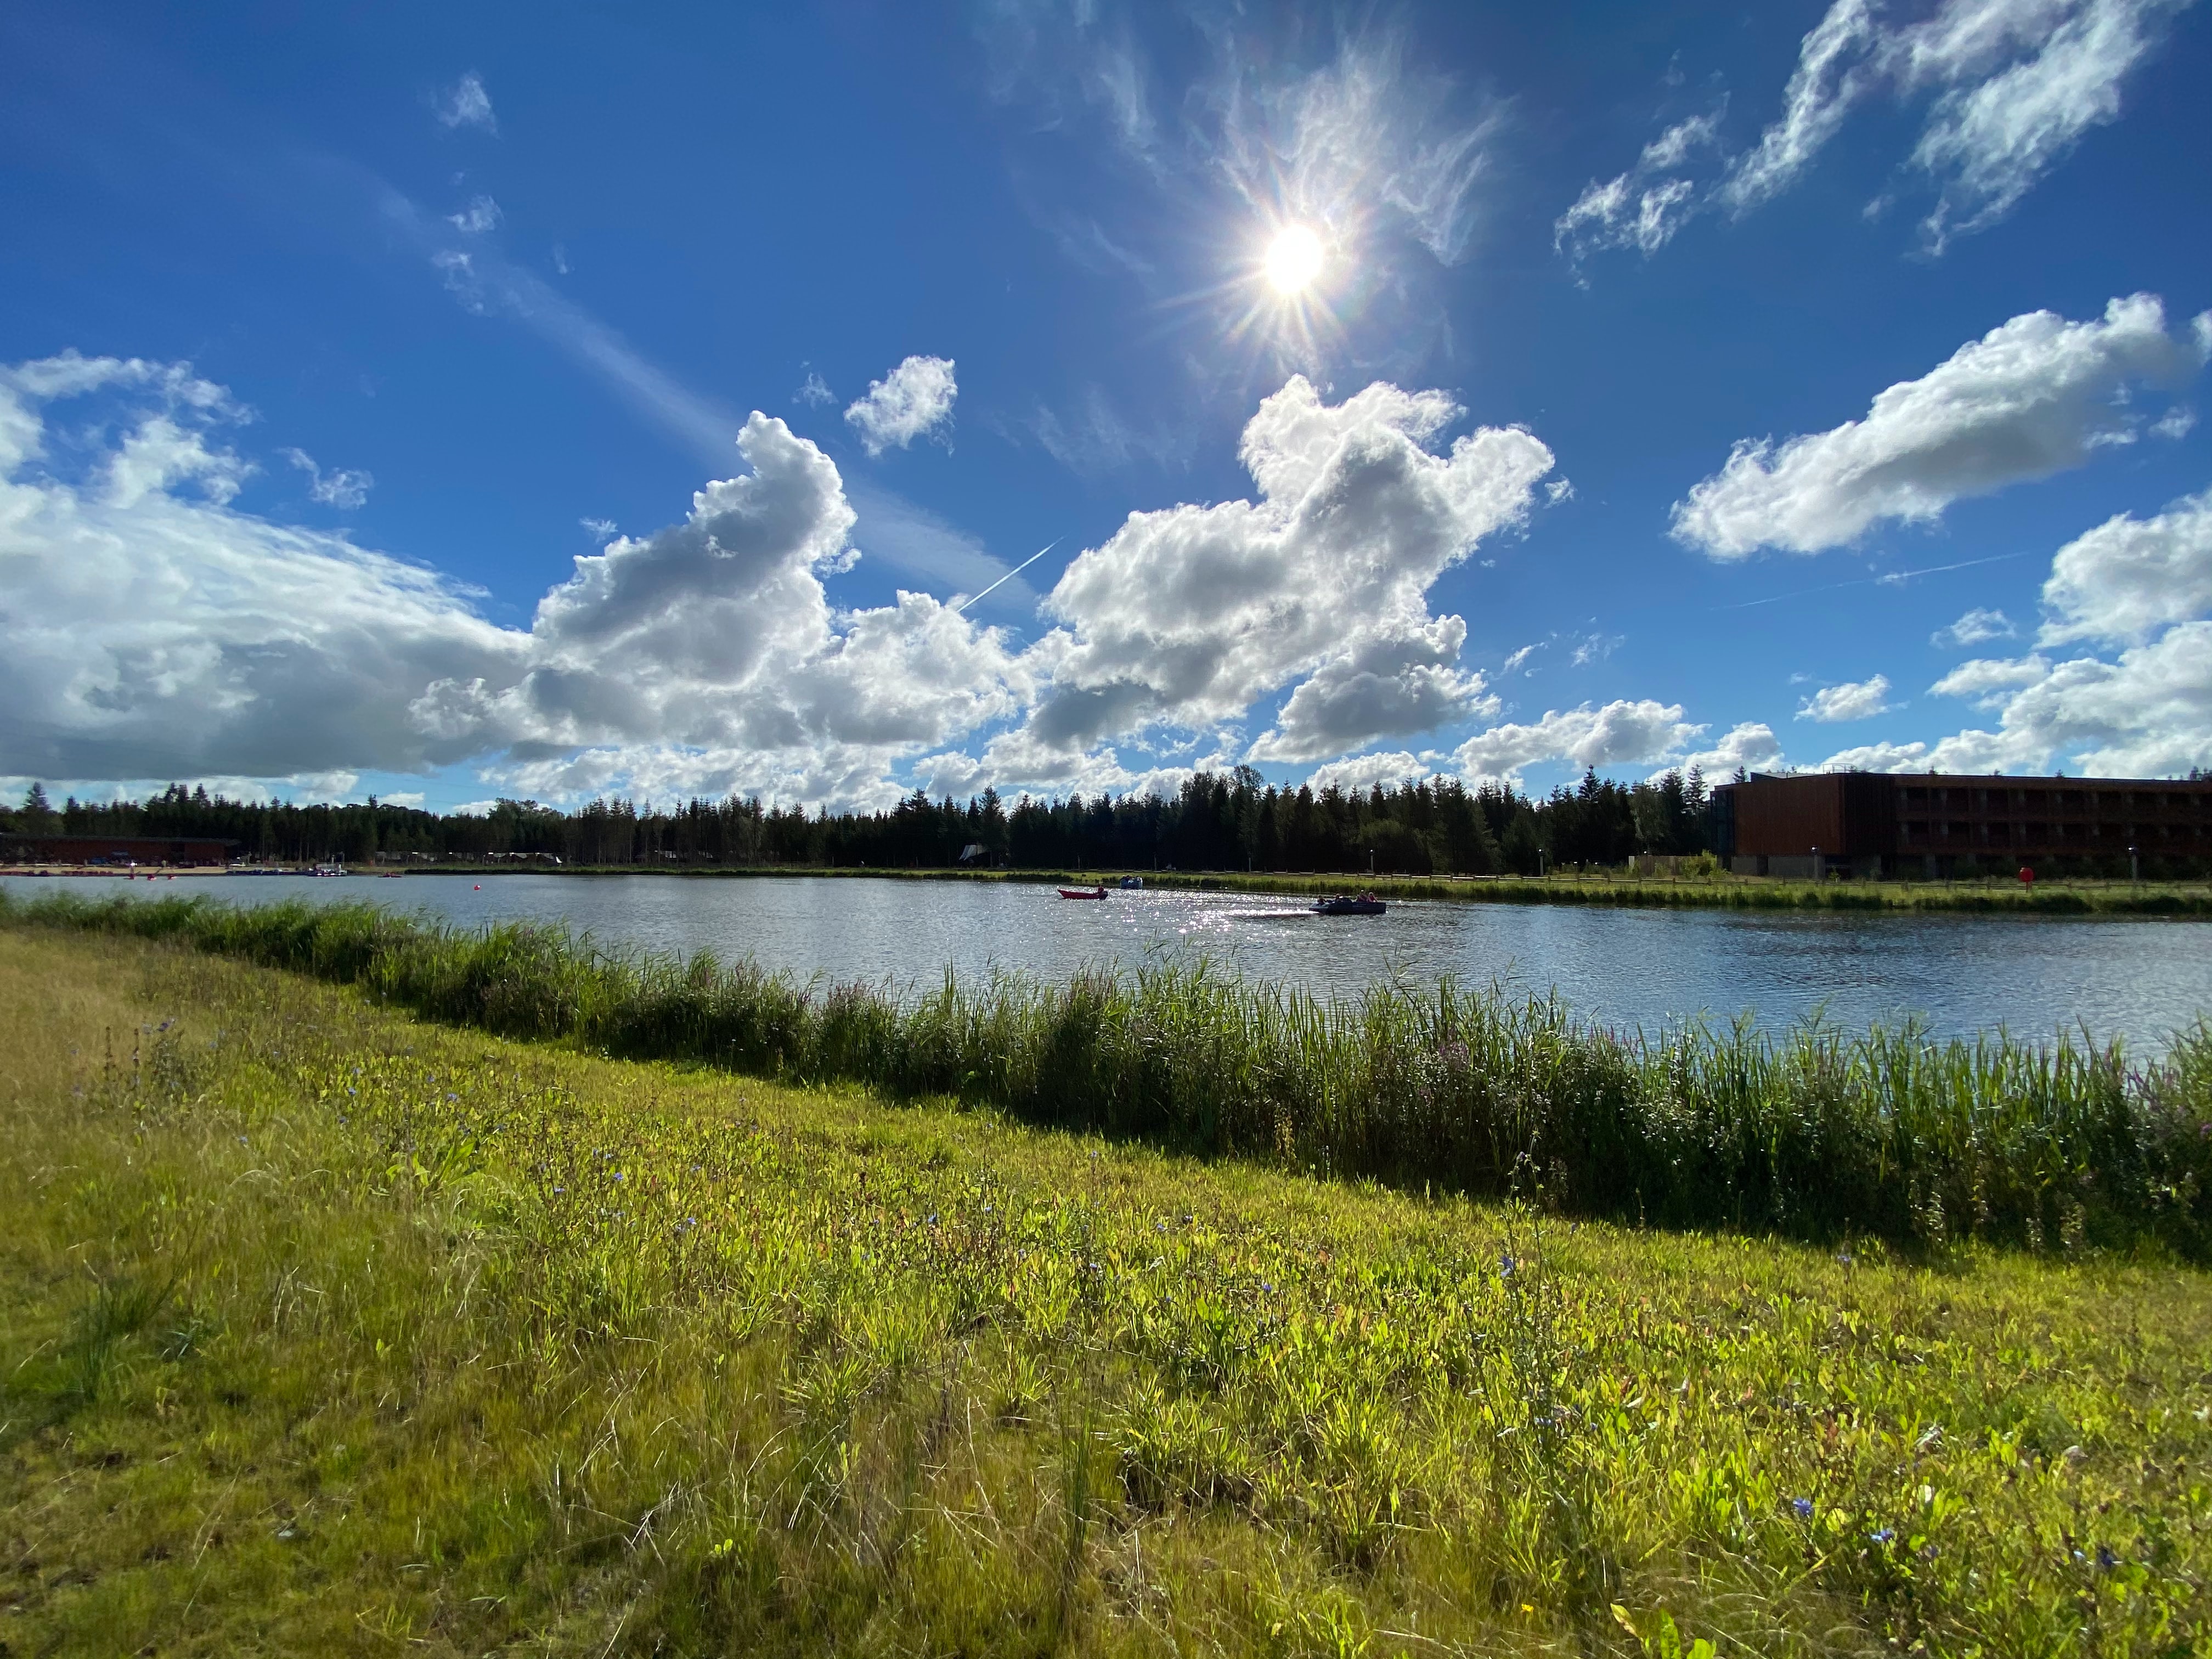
1945 824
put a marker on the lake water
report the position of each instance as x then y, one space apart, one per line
2140 979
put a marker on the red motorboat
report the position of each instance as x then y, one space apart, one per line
1083 892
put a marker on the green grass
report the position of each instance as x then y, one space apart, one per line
1822 1133
1996 895
323 1330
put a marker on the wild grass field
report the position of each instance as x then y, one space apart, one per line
325 1328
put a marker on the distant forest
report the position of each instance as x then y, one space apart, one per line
1217 821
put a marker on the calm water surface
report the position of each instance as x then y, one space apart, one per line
2138 978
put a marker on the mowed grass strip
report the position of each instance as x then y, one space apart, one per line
326 1331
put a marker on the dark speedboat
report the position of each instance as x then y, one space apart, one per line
1340 904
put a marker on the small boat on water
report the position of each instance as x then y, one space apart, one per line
1083 892
1342 904
1133 884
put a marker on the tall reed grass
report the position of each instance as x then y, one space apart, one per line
1819 1132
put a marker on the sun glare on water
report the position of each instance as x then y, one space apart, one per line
1294 259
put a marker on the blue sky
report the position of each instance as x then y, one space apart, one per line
464 402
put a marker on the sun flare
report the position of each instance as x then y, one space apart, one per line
1294 259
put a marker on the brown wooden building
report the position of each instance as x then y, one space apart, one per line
1872 824
119 851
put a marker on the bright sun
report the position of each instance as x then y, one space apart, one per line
1294 259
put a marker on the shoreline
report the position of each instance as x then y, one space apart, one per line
1401 1085
1993 896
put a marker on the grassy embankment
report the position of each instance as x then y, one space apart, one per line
2001 895
1824 1133
323 1330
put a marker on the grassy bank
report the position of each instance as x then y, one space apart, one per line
1993 895
324 1331
1823 1133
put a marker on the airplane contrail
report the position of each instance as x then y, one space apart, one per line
1015 572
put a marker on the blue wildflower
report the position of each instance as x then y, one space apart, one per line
1882 1534
2105 1559
1803 1506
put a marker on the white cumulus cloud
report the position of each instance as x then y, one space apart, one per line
2129 577
150 628
1990 681
1750 746
2030 398
1622 732
2138 585
1363 772
710 648
705 655
1188 616
1854 700
915 400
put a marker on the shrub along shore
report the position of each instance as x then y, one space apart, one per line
1821 1133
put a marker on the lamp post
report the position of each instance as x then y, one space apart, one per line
2135 866
1816 864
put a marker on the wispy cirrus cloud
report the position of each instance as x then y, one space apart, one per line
466 104
1353 133
342 487
2007 88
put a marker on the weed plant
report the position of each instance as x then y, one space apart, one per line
1821 1134
324 1331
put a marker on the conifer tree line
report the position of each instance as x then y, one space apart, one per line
1217 821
